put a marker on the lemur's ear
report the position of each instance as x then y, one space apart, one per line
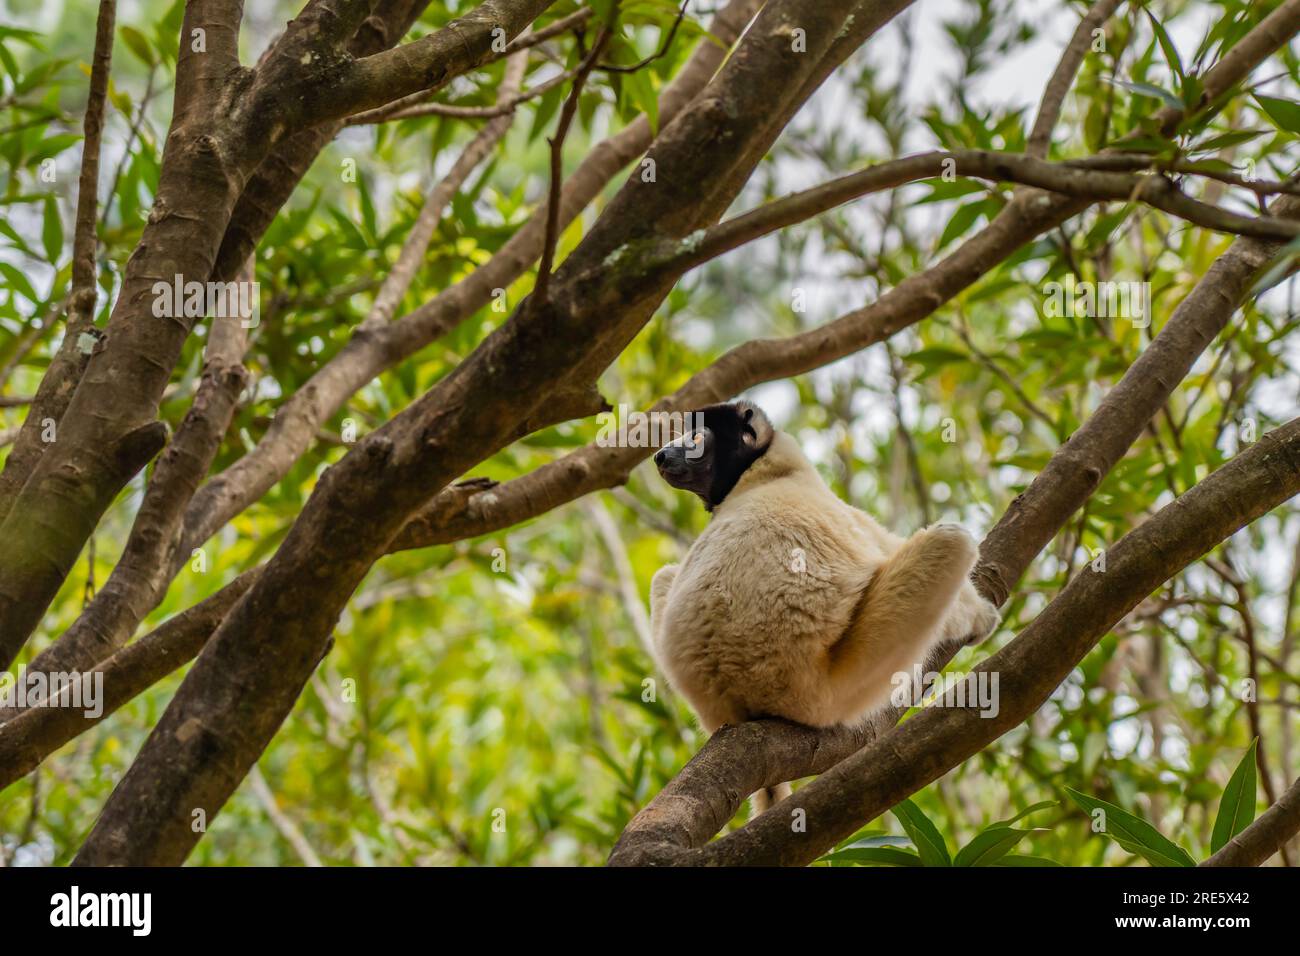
756 431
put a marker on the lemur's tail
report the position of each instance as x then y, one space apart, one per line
765 798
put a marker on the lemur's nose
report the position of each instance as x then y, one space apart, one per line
660 455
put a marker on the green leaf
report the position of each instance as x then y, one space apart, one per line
1237 805
925 835
52 146
886 855
10 64
1135 834
1285 114
19 281
1034 808
989 846
882 839
1142 144
547 106
1226 140
368 217
52 231
941 190
961 221
30 37
18 241
1014 859
1146 89
138 44
1167 47
641 92
935 358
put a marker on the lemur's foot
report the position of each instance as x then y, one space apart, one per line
986 621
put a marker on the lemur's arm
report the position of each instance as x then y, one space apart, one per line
660 585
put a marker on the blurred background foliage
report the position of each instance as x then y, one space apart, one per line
489 702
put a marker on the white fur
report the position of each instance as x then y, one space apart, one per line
794 604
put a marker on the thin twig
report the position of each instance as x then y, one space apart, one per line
506 105
287 828
661 52
557 169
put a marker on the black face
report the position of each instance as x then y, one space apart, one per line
710 458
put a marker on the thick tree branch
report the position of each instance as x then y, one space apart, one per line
425 64
207 56
278 174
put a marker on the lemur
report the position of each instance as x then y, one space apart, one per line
793 603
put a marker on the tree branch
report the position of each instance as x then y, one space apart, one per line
501 108
425 64
1049 109
207 55
31 736
675 257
